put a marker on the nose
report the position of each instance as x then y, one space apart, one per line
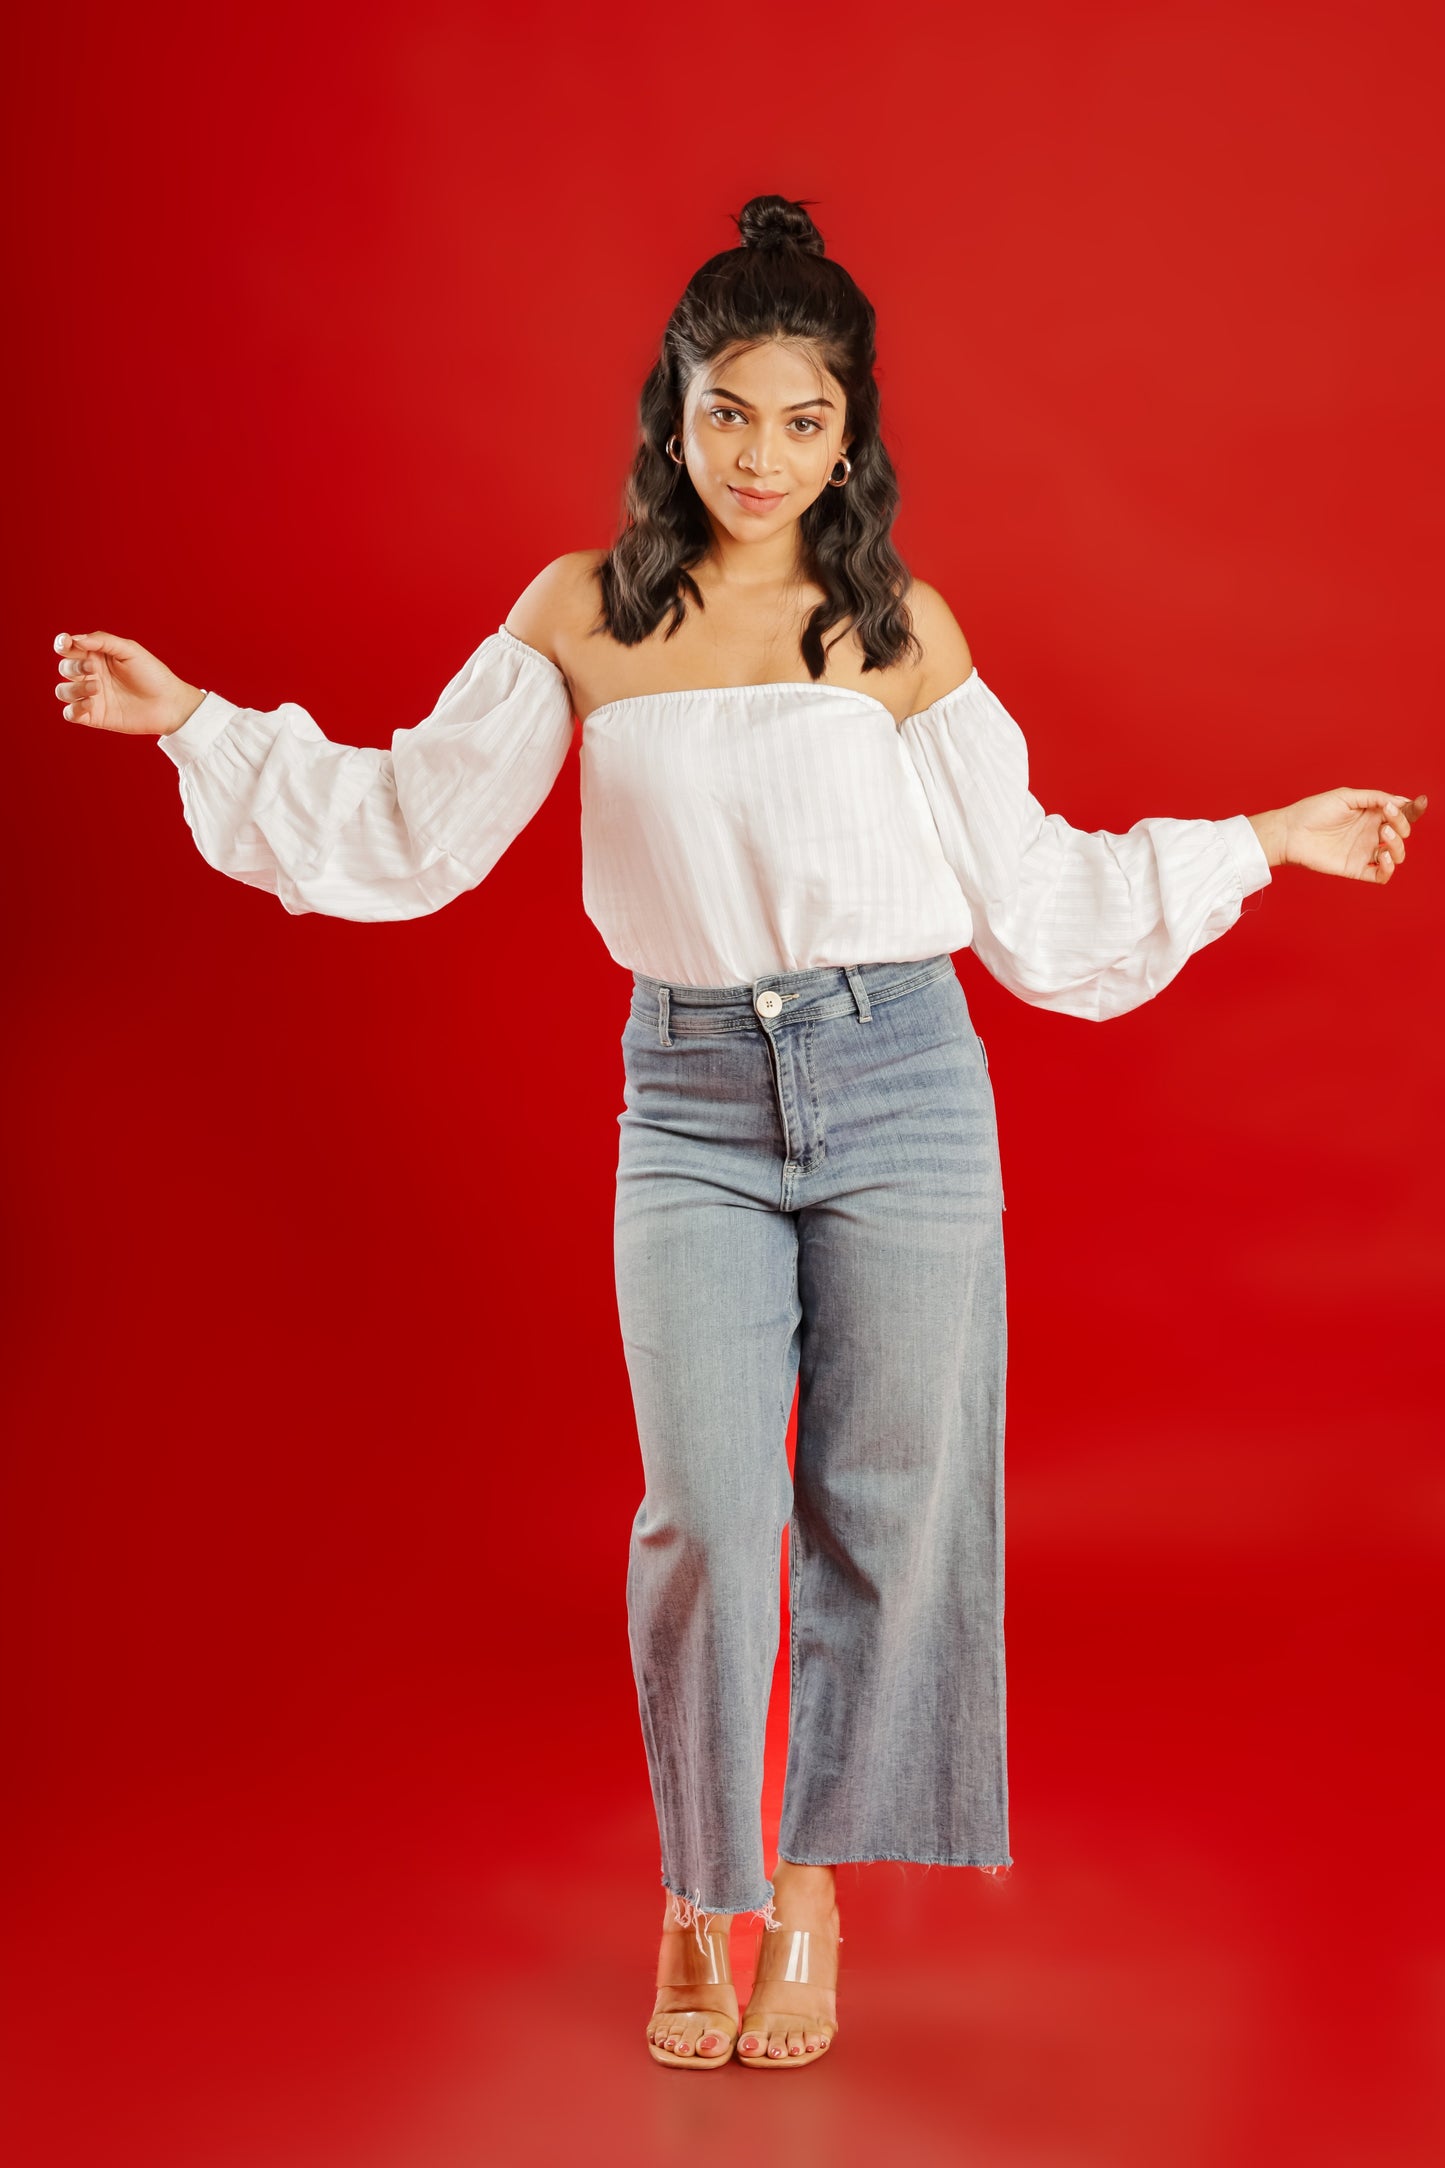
758 456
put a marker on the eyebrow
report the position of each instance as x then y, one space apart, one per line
722 392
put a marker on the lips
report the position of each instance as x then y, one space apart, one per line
759 497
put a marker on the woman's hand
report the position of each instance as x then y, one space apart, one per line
1358 833
115 684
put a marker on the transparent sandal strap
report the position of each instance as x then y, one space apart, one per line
794 1957
788 1955
712 1967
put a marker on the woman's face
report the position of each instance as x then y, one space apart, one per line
761 432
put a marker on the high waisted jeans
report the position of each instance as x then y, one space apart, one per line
809 1196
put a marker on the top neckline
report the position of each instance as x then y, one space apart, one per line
773 685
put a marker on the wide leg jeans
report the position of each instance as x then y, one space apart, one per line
809 1196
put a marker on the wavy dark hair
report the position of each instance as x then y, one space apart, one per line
777 284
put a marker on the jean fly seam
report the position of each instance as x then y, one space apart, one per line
820 1142
775 1067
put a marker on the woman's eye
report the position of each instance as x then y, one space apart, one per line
718 413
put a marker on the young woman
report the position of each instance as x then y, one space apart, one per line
799 800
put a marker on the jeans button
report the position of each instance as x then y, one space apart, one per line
768 1003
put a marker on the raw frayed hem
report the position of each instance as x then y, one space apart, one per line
996 1870
690 1911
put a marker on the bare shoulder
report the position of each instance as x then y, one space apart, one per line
555 609
946 660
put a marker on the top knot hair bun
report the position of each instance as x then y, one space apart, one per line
774 222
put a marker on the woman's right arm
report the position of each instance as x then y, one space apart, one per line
351 831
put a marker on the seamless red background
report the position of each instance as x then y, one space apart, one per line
329 1837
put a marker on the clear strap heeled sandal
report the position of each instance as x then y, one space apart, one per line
807 1956
691 1957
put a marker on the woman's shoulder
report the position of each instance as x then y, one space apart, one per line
945 660
558 605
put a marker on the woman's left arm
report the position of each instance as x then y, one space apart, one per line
1095 924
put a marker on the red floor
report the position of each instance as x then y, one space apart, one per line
1220 1945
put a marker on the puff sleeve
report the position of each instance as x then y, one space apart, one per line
1092 924
360 833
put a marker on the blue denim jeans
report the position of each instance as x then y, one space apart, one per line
809 1195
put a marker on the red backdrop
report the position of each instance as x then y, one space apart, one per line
329 1827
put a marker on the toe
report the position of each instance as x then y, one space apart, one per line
778 2042
751 2043
795 2042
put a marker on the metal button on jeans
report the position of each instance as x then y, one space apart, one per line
769 1003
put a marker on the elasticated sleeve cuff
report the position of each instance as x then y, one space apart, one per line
1247 851
200 730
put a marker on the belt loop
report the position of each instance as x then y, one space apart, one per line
860 993
664 1001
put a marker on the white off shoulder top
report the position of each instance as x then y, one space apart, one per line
728 832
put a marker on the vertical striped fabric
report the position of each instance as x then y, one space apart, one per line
1089 923
727 832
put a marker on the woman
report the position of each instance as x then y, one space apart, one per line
790 770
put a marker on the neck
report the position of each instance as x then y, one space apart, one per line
772 562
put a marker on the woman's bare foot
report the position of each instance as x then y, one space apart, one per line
696 2012
791 2020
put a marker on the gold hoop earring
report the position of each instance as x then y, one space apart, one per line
833 481
675 456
